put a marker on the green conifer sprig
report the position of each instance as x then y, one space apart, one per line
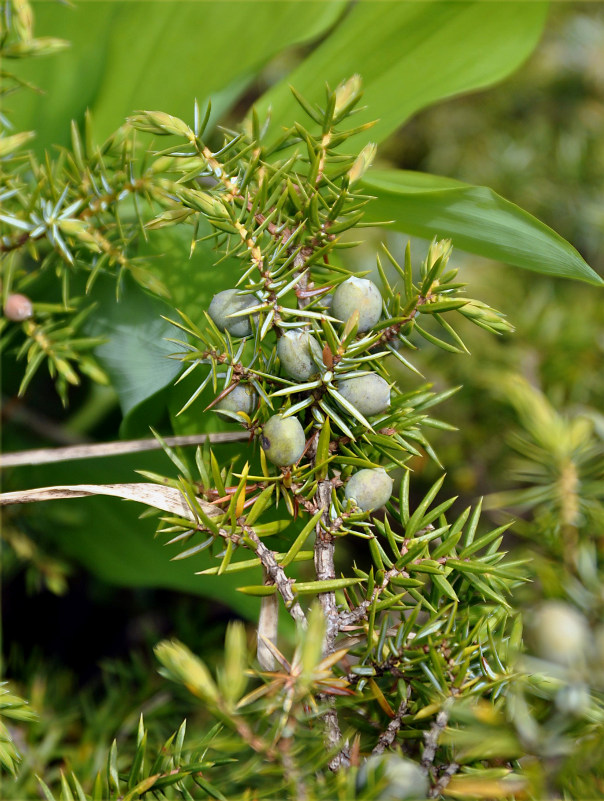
414 643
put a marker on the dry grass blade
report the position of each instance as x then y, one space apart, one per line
167 499
71 452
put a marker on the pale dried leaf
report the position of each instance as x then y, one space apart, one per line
168 499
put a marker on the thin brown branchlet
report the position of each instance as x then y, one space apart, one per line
446 774
388 736
432 736
359 612
249 539
277 575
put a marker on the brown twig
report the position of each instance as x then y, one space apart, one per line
432 737
359 612
388 736
7 243
268 625
277 575
333 738
325 567
325 570
392 331
444 780
303 283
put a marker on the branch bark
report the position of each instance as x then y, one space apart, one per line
325 570
432 737
388 736
278 577
268 626
325 567
444 780
360 611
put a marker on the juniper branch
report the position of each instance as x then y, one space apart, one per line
432 737
444 780
359 612
324 565
277 575
388 736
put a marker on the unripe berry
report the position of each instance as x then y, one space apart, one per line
357 294
370 488
370 394
18 308
559 633
573 699
405 779
241 399
295 350
283 440
228 302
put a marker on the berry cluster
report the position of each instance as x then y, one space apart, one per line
302 357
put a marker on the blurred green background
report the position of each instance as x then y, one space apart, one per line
536 139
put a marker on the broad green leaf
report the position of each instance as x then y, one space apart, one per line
110 539
475 218
69 80
132 55
411 55
190 280
136 353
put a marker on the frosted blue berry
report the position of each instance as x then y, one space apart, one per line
370 394
370 488
295 350
283 440
357 294
241 399
228 302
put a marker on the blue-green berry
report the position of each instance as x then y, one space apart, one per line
370 488
295 350
573 699
404 779
370 394
357 294
228 302
241 399
558 633
283 440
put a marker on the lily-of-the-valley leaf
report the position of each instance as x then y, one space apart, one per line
476 218
467 46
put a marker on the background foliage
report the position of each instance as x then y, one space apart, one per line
547 114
